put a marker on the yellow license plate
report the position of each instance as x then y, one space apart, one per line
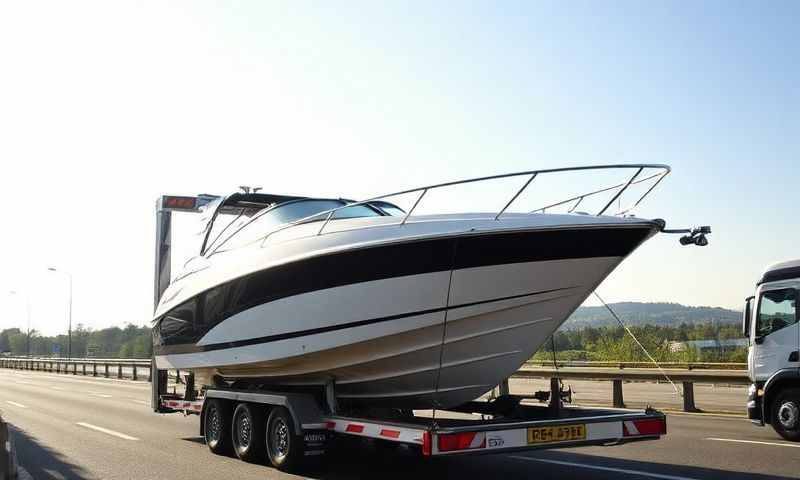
561 433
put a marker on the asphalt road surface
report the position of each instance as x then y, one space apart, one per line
85 428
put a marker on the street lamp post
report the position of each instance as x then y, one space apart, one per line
28 311
69 328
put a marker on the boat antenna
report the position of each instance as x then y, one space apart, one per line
613 314
248 189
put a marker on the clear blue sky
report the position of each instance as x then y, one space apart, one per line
125 101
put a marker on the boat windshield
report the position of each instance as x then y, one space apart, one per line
244 229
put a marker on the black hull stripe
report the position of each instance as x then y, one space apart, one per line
190 321
192 348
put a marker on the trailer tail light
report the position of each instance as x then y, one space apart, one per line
426 444
650 426
461 441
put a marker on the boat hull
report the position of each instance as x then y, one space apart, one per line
462 314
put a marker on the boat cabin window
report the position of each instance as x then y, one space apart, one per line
389 208
776 310
275 217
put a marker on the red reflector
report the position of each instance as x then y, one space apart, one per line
353 428
650 426
390 433
330 425
458 441
426 444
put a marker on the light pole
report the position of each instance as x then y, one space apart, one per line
28 311
69 329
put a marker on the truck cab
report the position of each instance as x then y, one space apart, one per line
770 321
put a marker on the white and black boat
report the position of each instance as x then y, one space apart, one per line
406 310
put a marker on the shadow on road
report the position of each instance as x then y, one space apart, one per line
199 440
43 463
368 463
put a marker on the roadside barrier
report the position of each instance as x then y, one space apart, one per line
8 469
617 372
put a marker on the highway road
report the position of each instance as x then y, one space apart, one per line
70 427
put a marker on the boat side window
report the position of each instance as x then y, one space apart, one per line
776 310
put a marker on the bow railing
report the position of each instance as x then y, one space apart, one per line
656 178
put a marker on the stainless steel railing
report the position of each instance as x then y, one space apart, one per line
664 170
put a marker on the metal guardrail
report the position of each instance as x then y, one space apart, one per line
618 375
8 463
88 366
621 365
617 372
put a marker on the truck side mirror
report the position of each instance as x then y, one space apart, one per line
746 318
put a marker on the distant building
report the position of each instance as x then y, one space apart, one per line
709 345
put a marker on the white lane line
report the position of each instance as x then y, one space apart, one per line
58 388
605 469
106 431
141 402
15 404
98 394
734 440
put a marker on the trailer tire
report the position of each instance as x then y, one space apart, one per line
786 414
248 433
284 447
217 419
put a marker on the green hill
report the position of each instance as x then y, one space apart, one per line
663 314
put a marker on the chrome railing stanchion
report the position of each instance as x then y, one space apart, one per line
613 199
424 191
497 217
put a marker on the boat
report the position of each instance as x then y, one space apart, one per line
389 307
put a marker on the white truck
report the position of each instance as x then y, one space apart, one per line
770 321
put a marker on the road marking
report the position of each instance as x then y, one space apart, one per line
106 431
141 402
98 394
605 469
58 388
734 440
15 404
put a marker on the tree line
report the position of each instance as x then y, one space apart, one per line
605 343
115 342
613 343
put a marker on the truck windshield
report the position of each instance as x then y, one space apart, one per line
776 310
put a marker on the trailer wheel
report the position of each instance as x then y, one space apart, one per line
216 431
247 432
284 448
786 414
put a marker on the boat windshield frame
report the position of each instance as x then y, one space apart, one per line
217 244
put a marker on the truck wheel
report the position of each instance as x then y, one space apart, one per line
216 430
786 414
247 432
284 448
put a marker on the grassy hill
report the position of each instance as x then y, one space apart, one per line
663 314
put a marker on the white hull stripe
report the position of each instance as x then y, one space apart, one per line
193 348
